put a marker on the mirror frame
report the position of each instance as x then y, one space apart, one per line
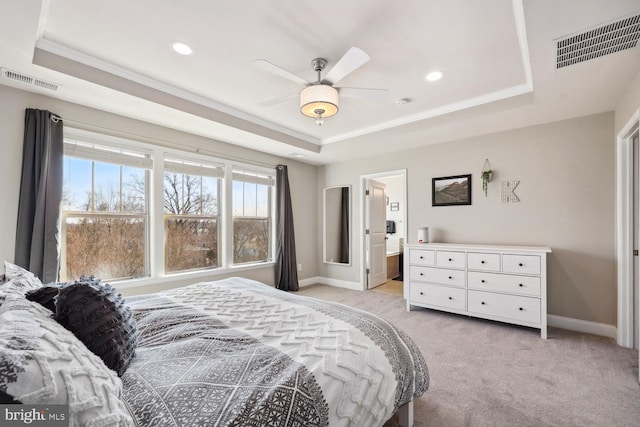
324 225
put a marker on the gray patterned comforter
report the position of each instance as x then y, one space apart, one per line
239 353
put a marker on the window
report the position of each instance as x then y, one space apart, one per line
133 211
104 215
191 214
252 225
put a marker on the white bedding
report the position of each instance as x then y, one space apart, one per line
254 355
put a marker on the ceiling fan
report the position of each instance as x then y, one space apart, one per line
319 99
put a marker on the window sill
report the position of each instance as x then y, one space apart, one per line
193 276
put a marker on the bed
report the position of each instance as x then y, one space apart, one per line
236 352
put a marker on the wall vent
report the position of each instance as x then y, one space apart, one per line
33 81
603 40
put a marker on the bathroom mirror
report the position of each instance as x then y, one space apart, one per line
337 225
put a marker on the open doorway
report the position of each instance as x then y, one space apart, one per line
628 232
383 217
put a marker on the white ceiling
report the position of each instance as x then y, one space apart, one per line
497 55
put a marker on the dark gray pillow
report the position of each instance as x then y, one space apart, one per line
98 316
46 295
6 398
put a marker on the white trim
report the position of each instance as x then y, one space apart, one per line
434 112
363 220
319 280
156 230
585 326
324 225
192 276
624 231
67 52
571 324
308 282
527 87
521 29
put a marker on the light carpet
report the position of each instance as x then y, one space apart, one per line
486 373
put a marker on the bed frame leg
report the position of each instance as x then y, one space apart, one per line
405 415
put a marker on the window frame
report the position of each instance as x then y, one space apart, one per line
182 165
79 145
270 178
156 216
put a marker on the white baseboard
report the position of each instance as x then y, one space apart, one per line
586 326
308 282
331 282
602 329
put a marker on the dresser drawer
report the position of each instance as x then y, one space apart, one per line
437 275
441 296
522 285
522 264
511 307
422 257
486 262
451 259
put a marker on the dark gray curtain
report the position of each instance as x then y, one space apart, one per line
40 195
286 272
344 226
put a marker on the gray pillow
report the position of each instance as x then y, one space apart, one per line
98 316
46 295
17 280
43 363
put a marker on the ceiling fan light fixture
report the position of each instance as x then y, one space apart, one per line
319 102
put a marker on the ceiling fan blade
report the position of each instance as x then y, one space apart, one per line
364 93
280 100
351 61
279 71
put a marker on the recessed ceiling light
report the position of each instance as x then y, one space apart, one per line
297 155
182 48
434 76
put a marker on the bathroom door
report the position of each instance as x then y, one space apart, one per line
376 226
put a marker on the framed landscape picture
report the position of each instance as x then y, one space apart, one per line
451 190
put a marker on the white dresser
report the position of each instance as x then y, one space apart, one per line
503 283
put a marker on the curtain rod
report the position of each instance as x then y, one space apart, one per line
170 144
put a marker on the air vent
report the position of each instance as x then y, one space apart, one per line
610 38
23 78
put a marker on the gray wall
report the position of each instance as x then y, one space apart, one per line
566 171
629 104
13 103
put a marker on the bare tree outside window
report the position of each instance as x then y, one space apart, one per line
106 213
191 221
104 220
252 200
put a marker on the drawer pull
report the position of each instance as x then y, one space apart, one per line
482 303
421 257
450 297
422 274
520 308
520 264
450 260
482 262
482 281
421 293
521 285
450 277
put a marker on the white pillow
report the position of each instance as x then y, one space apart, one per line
22 279
43 363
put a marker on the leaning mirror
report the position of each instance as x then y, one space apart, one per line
337 222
